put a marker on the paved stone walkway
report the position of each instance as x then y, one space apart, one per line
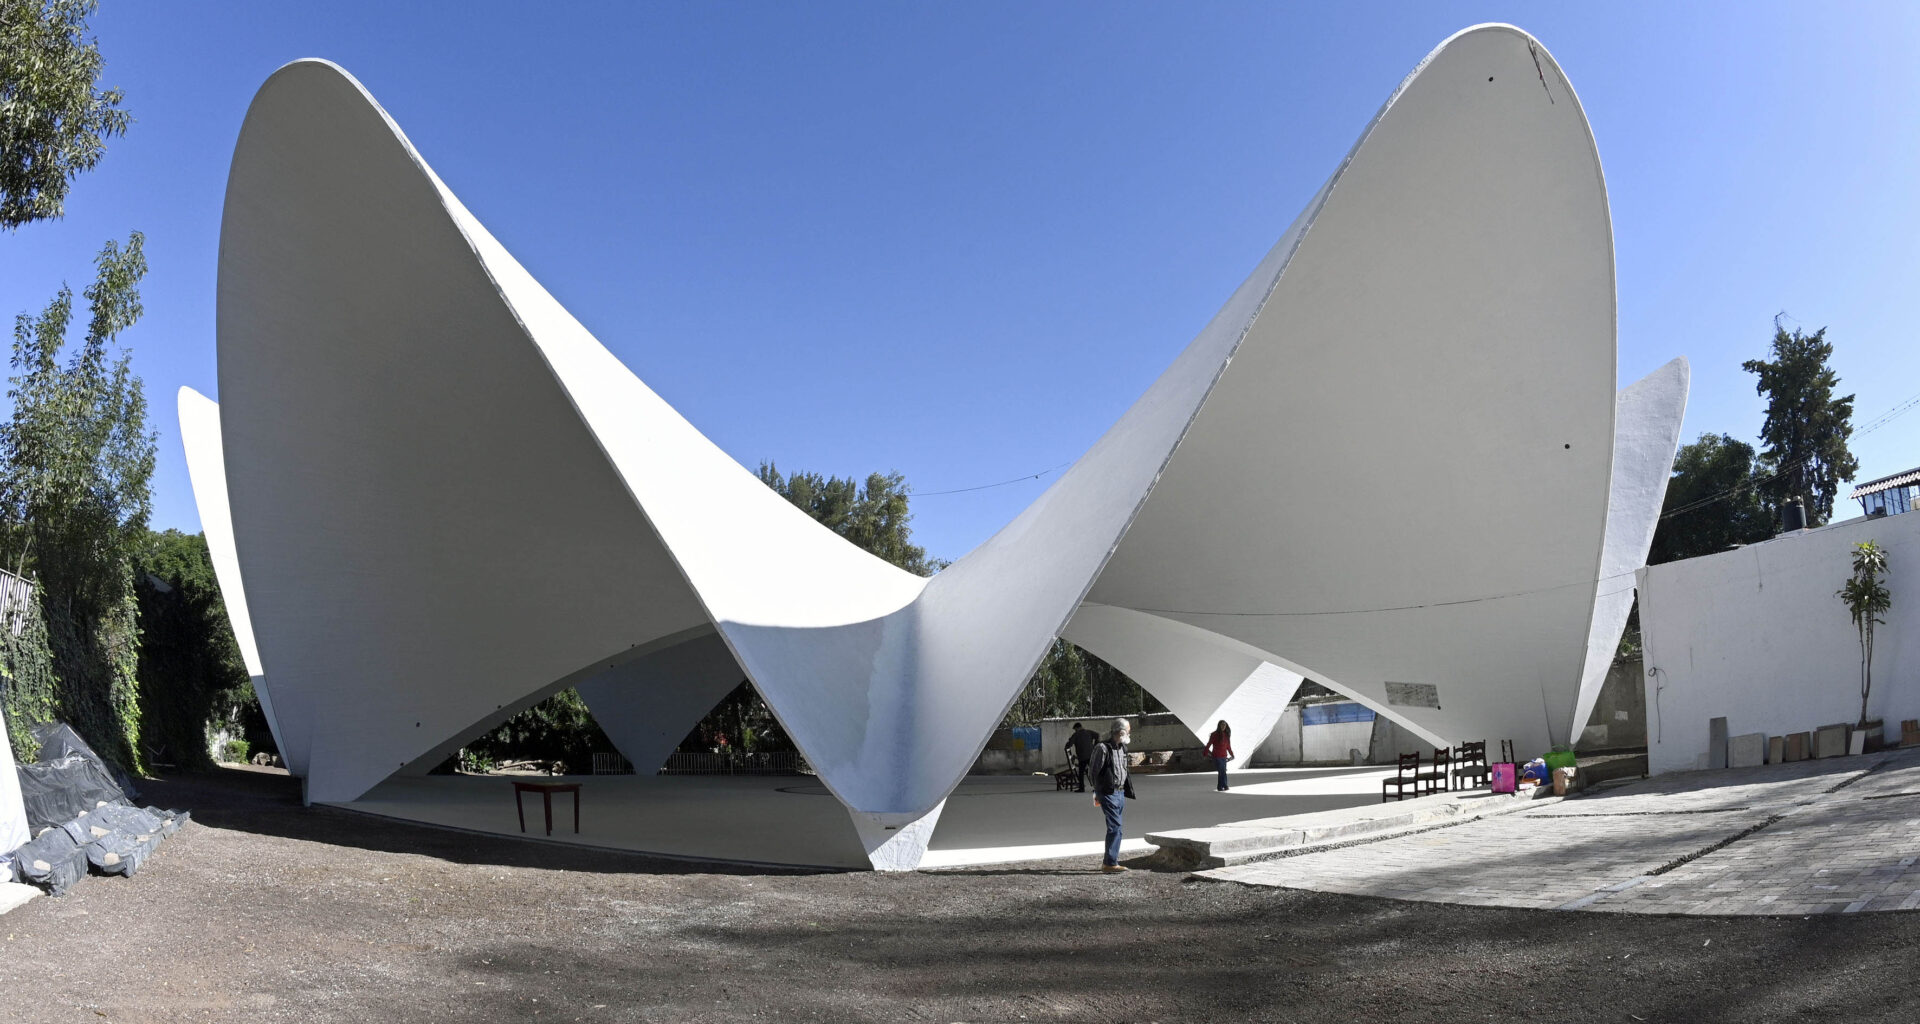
1834 836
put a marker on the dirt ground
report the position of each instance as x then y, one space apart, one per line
265 911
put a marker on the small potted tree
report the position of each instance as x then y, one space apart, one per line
1867 599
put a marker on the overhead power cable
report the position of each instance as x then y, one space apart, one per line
1390 608
1890 415
1874 424
1003 483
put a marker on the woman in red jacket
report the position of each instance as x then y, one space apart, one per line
1220 748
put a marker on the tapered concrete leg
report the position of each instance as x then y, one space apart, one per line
647 706
207 471
1202 677
1646 433
1255 707
895 842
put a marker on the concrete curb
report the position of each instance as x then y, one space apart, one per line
1243 842
14 894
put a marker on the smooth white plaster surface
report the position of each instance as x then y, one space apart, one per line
13 810
207 472
1646 435
1402 476
648 705
1202 677
1756 635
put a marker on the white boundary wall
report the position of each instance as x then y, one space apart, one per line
1757 636
13 811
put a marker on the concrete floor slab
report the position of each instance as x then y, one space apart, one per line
793 820
1829 836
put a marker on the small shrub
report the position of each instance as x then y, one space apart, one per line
235 752
475 763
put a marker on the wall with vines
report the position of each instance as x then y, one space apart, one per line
29 692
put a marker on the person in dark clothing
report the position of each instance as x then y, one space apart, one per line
1220 748
1080 744
1108 769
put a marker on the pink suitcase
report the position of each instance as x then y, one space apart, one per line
1502 776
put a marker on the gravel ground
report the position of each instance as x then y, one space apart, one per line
265 911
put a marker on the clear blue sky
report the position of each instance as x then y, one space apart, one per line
959 240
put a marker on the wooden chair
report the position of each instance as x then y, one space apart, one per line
1408 774
1068 779
1470 764
1432 779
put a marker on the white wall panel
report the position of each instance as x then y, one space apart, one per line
1756 635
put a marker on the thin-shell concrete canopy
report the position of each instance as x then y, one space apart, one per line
1385 463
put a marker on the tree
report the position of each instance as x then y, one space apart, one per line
1059 687
1072 683
559 728
190 671
1806 429
1713 501
54 119
873 518
1866 598
76 462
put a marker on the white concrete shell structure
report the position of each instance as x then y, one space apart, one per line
1646 437
13 810
1385 461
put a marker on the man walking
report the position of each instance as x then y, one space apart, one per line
1110 787
1080 745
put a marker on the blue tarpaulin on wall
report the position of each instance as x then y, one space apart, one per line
1330 714
1028 735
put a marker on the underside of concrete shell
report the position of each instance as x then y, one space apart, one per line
401 401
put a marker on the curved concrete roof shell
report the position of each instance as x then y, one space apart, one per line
1385 460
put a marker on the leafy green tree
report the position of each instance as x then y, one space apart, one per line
745 720
1867 598
1058 687
1713 501
190 671
1071 682
76 462
54 118
873 518
559 728
1806 429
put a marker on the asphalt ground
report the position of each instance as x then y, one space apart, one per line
263 910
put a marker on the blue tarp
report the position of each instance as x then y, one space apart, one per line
1330 714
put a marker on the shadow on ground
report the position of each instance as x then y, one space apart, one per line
269 911
268 803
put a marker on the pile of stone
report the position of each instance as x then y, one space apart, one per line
1753 749
80 815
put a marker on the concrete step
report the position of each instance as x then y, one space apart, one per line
1243 841
13 894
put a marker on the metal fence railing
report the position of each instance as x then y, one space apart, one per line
15 595
704 763
611 764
